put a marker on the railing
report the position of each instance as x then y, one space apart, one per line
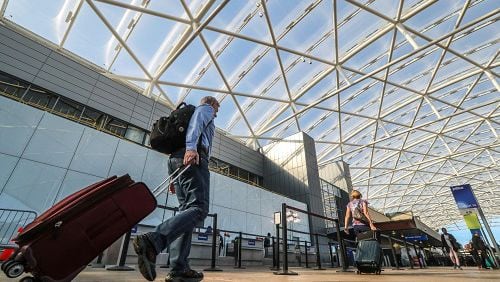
10 222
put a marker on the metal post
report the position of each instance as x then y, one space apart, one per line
421 256
285 244
274 254
415 248
240 243
98 263
277 247
408 253
331 254
307 255
123 256
215 237
393 253
345 264
318 257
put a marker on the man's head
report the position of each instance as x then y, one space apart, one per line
269 234
355 194
444 230
476 234
209 100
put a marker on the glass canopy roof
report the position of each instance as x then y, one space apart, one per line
405 91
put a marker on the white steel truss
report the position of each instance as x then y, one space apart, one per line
412 107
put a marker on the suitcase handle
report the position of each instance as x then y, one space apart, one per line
177 173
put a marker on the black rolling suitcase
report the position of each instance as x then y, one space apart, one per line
368 254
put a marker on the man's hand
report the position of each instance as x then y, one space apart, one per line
346 231
171 188
372 227
191 157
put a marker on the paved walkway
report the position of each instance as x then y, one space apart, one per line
259 274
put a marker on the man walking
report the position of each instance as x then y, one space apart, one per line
450 244
480 248
192 190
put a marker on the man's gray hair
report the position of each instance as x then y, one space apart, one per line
208 100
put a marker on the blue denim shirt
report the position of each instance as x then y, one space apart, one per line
202 116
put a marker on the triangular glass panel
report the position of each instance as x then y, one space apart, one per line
260 110
330 153
301 72
306 25
136 28
416 71
452 67
363 137
324 86
455 92
261 77
395 98
460 119
350 35
372 56
228 52
364 98
126 66
425 114
243 17
314 118
190 65
436 22
89 36
350 124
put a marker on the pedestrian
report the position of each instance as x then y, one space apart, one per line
358 210
481 250
267 244
451 246
192 190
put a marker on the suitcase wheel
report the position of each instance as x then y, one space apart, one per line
28 279
14 269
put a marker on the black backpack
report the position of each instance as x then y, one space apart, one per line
169 133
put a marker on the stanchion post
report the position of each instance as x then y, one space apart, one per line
215 237
274 253
345 264
123 256
318 256
285 244
98 263
307 254
240 243
416 253
331 254
408 252
278 247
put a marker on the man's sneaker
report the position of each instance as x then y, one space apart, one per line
454 266
188 276
146 257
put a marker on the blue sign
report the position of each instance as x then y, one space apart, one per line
202 237
464 197
134 230
417 238
251 242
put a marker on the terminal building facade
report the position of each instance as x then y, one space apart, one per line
65 125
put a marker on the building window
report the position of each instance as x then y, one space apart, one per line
68 109
135 134
115 126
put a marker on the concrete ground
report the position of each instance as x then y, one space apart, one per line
260 274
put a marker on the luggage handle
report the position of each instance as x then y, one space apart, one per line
177 173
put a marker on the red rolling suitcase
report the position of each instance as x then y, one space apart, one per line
60 243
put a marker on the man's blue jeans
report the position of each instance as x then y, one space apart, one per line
192 190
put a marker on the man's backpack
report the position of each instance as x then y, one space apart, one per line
357 213
169 133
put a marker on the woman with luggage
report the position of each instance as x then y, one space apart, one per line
358 210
